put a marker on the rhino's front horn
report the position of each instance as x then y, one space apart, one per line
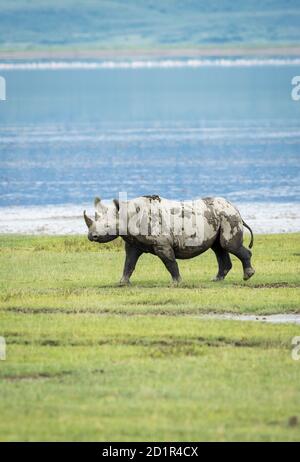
88 220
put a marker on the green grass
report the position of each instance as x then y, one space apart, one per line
60 274
89 360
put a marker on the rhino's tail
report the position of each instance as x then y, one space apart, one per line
248 227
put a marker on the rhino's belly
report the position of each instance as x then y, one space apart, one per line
142 244
191 251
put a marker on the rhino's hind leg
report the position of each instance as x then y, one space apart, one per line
245 256
223 259
231 239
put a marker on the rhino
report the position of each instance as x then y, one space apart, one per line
173 230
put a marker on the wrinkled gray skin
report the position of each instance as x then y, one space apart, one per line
219 226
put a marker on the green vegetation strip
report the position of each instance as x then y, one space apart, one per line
88 360
70 274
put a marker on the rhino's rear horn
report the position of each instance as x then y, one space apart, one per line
88 220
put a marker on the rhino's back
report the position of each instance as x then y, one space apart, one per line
189 226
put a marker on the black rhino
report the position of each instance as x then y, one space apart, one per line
173 230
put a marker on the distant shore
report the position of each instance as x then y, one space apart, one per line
147 53
66 219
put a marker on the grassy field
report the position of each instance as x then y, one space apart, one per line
89 360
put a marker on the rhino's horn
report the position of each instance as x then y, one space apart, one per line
88 220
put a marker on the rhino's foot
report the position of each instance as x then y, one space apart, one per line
248 273
176 282
124 282
219 277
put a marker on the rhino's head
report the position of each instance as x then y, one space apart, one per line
104 227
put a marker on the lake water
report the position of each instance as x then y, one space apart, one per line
181 129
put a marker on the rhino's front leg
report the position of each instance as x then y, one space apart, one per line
167 256
132 256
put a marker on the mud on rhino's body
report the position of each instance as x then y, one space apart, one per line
174 230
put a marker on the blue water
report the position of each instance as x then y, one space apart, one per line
132 24
68 135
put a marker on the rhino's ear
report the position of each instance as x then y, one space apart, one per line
117 204
99 206
97 201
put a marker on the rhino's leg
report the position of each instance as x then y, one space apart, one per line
167 256
223 259
132 256
231 239
245 256
242 253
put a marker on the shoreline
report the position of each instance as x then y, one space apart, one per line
66 219
283 51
